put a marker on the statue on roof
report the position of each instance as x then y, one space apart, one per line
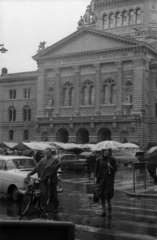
41 46
81 22
89 17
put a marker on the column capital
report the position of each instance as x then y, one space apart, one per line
119 64
57 70
97 66
77 68
139 62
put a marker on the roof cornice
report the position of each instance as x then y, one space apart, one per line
105 3
81 31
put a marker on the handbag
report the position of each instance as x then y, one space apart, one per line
98 190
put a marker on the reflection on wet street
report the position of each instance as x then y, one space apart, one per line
132 217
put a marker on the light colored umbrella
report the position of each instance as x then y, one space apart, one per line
106 145
152 149
130 145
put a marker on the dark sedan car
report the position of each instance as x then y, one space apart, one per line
72 162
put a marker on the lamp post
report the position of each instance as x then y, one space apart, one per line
3 50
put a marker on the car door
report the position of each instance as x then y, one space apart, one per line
1 174
74 162
64 162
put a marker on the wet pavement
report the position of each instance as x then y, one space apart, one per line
133 216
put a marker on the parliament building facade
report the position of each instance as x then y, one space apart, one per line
99 83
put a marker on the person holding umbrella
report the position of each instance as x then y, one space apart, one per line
105 174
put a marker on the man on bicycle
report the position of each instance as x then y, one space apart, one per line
47 171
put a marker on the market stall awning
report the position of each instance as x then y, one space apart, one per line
33 146
8 145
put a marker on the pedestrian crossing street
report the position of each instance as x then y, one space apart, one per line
132 218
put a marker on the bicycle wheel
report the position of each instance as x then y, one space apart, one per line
25 202
44 201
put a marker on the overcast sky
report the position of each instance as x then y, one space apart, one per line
26 23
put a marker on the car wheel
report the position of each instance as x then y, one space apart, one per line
15 194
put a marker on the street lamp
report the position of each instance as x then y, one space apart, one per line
3 50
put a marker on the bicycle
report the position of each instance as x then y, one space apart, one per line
33 196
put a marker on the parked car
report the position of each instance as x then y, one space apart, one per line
71 162
13 171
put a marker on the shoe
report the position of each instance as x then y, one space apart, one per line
110 210
44 213
103 214
55 211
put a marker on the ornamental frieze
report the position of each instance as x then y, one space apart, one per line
87 58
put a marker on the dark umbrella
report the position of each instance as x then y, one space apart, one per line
153 158
152 164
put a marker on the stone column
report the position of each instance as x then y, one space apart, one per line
77 91
97 89
40 93
57 92
138 66
119 87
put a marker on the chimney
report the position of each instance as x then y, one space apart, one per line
4 71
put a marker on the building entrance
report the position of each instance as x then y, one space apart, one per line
82 136
62 136
104 134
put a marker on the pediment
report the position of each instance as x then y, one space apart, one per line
86 40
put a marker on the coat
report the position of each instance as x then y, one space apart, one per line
47 170
105 177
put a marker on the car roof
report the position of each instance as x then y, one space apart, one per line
64 154
9 157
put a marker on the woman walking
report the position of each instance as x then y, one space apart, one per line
105 175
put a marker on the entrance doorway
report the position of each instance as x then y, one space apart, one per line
62 136
104 134
124 137
82 136
45 137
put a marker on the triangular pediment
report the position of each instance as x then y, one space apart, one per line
86 40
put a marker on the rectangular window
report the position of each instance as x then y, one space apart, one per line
12 94
27 93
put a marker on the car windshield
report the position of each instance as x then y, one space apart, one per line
20 163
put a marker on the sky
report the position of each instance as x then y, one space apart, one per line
26 23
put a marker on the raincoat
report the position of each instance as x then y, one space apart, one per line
105 177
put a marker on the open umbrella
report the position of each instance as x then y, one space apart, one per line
152 150
153 158
106 145
130 145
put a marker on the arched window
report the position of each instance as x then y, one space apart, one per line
88 93
106 94
66 97
85 95
92 95
111 20
118 19
138 16
26 135
71 96
26 114
113 94
156 110
131 17
124 18
11 135
68 94
105 21
12 114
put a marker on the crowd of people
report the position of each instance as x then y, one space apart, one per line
101 166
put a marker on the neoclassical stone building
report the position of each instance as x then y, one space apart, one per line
98 83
